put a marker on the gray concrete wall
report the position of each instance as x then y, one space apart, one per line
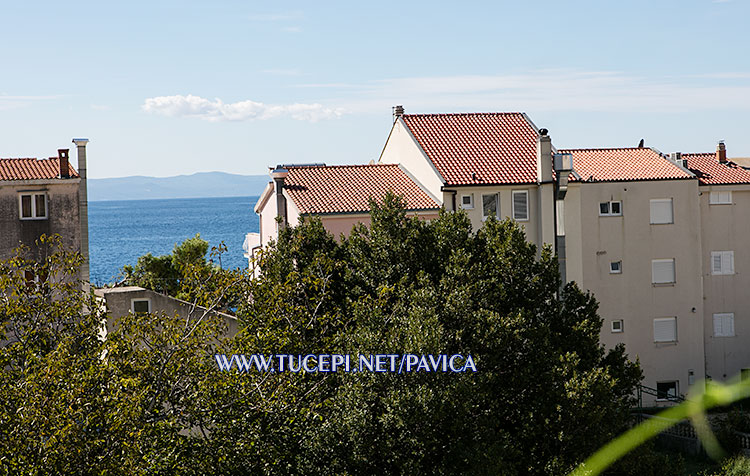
119 304
62 214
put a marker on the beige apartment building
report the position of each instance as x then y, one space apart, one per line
657 239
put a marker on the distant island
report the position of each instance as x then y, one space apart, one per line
198 185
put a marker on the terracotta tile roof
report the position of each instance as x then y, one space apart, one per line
32 169
347 188
624 164
709 171
500 148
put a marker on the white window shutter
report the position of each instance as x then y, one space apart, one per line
661 211
665 329
716 263
724 325
718 325
727 262
662 271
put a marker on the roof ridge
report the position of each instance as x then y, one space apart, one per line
345 165
607 148
25 158
467 114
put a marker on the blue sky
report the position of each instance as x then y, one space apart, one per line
166 88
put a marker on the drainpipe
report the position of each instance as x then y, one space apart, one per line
83 211
563 167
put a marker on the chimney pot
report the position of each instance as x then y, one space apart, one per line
398 111
721 152
62 155
543 131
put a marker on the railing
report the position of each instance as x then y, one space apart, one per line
660 396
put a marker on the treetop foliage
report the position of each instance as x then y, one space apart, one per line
545 395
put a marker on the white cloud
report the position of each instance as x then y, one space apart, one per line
292 29
217 110
545 90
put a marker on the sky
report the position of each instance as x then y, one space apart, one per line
164 88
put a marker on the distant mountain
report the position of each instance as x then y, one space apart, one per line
200 185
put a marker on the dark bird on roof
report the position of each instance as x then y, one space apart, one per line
640 144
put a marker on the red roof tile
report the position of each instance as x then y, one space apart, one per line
347 188
710 171
625 164
500 148
32 169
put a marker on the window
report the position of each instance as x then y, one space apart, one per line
140 305
521 205
615 267
724 324
661 211
610 209
489 206
722 262
720 198
467 201
617 326
32 206
665 329
667 390
662 271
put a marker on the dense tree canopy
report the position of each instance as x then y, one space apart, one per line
149 398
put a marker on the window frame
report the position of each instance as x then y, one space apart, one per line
33 197
497 205
714 198
721 315
470 206
609 212
612 270
721 255
621 329
132 305
525 193
671 211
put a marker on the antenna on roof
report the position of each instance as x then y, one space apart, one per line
640 144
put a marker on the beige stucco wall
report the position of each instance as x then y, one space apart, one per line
631 296
401 148
726 228
530 226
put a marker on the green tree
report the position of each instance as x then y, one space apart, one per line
546 393
150 400
164 273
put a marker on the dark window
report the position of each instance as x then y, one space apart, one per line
41 205
141 306
26 206
666 390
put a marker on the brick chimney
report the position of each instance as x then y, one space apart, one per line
721 152
62 155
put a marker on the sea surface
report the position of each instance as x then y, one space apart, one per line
122 230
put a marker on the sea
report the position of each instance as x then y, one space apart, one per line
122 230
